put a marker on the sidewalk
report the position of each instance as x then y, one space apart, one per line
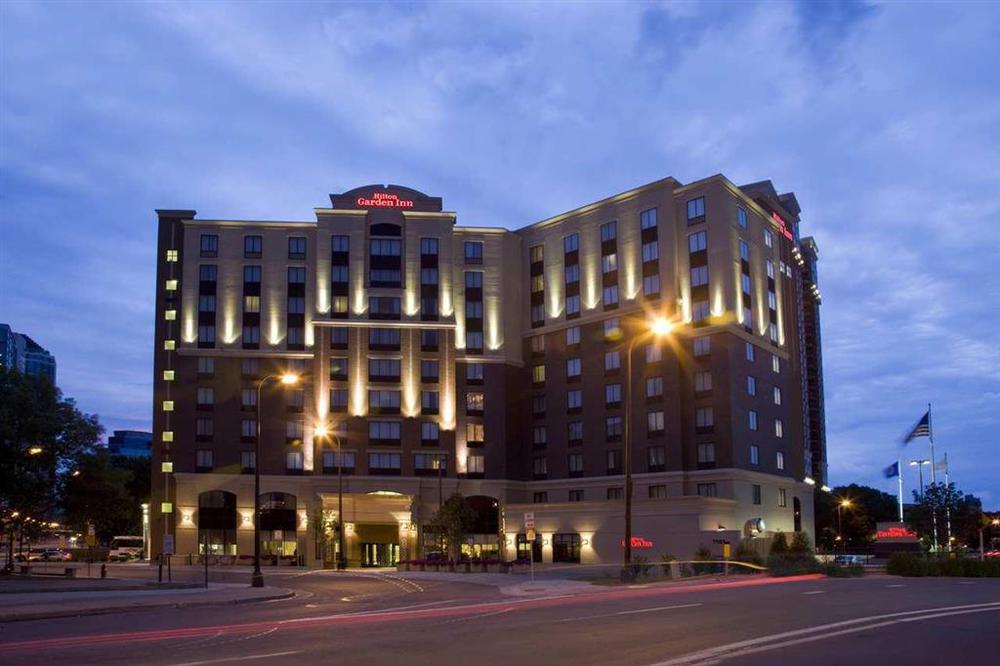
125 596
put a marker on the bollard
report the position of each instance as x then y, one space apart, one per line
104 570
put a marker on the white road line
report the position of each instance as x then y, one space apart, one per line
375 611
896 585
479 617
628 612
245 658
712 655
815 592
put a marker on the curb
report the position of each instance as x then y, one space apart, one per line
104 610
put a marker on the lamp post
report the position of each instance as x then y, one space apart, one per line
257 579
323 431
657 328
919 464
842 504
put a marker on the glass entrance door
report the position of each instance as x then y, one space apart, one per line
379 554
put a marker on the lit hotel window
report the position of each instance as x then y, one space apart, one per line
166 467
780 460
171 256
171 285
168 405
169 345
168 375
754 454
170 315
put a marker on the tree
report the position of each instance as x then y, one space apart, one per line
42 435
867 506
99 495
965 511
454 519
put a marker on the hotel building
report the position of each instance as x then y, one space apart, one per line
443 358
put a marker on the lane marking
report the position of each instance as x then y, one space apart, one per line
712 655
374 611
815 592
628 612
479 617
896 585
246 658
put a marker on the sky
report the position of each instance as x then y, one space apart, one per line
884 119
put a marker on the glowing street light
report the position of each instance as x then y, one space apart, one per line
321 430
844 503
35 450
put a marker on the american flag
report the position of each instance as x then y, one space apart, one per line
922 429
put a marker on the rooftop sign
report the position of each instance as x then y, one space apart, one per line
781 226
383 200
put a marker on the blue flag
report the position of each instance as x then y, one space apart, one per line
892 470
922 429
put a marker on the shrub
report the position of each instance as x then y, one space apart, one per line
703 555
910 564
665 560
779 546
800 544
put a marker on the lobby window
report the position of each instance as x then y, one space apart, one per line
751 352
253 246
473 252
697 242
429 402
540 467
574 368
708 490
475 434
539 437
612 361
756 494
706 454
752 419
612 328
702 346
575 463
248 460
613 428
429 246
647 219
613 395
777 395
754 454
657 491
574 400
656 458
574 432
782 498
699 276
779 428
474 402
696 210
741 217
576 495
204 460
704 419
609 231
654 387
616 493
209 245
779 460
702 382
475 464
751 385
653 353
384 463
571 243
540 498
429 433
293 462
296 247
429 370
383 432
654 423
340 244
538 374
572 336
614 459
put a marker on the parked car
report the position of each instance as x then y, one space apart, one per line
126 548
847 560
49 555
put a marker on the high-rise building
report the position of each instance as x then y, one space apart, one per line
19 352
131 443
518 368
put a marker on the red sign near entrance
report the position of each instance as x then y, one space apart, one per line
638 542
383 200
896 533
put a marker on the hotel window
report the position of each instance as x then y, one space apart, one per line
654 423
573 305
650 251
613 395
249 367
708 490
574 432
473 279
429 370
775 364
704 418
538 374
782 499
168 405
537 284
576 496
429 339
252 246
383 338
540 498
538 405
429 432
170 285
474 402
572 336
385 247
382 401
572 273
251 274
573 368
651 285
205 460
610 296
428 276
338 400
653 353
751 385
384 307
779 428
537 315
744 251
702 346
206 366
654 387
539 437
475 434
296 337
609 231
752 419
338 369
251 305
429 402
171 256
537 344
614 462
429 246
296 275
574 400
777 395
296 247
293 462
293 431
296 305
339 337
702 382
204 429
168 375
383 369
779 460
769 267
697 242
613 428
696 210
617 493
248 460
383 432
206 303
209 245
540 467
657 491
474 373
751 353
741 217
768 238
745 283
609 263
473 309
612 361
756 494
772 300
571 243
169 345
575 462
334 459
206 396
475 465
474 342
754 454
208 273
656 458
383 463
699 276
612 328
700 311
206 336
536 253
473 252
647 219
248 429
340 244
772 332
706 454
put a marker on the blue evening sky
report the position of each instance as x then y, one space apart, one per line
884 119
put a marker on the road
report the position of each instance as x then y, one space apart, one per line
384 618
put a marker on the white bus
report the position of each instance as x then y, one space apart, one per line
126 548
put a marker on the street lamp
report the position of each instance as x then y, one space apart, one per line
657 328
34 450
920 465
257 579
323 431
844 503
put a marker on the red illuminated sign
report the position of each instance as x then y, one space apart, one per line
384 200
638 542
896 533
781 226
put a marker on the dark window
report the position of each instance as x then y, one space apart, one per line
252 246
209 245
473 252
696 210
566 548
296 247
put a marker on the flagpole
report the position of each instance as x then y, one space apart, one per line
930 438
899 479
947 508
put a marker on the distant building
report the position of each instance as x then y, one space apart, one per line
131 443
19 352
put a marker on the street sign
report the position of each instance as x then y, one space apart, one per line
529 520
725 550
168 544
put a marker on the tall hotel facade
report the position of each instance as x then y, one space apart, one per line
445 358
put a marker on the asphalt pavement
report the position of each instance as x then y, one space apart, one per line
385 617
